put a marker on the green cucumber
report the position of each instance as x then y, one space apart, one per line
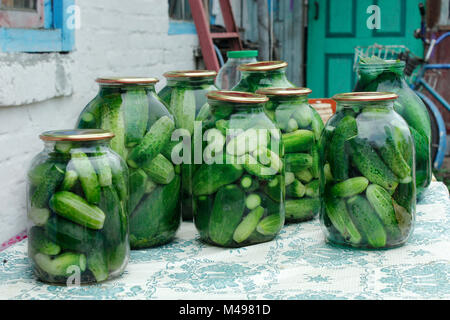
315 171
316 124
160 170
61 265
371 166
119 177
72 236
63 147
113 120
183 107
296 190
393 157
76 209
304 176
149 216
312 189
227 212
367 221
209 178
87 176
252 201
270 225
150 186
47 187
275 189
247 142
136 111
70 179
298 141
39 173
223 125
248 225
39 241
337 212
249 184
87 121
289 178
296 162
203 207
138 187
283 114
101 165
350 187
302 209
152 144
327 173
381 201
115 226
269 158
97 264
39 216
405 196
338 157
404 218
292 126
303 115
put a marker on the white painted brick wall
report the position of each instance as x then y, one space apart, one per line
121 38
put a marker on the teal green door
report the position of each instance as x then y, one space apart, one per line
336 27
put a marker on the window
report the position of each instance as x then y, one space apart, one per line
180 10
36 25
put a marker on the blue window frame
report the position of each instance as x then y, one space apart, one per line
55 36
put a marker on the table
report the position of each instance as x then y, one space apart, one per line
297 265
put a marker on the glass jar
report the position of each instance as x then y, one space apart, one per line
259 75
185 94
301 127
229 75
143 128
239 187
367 173
388 76
78 225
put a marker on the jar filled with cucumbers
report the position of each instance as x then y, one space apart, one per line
239 187
185 94
301 127
376 74
367 173
131 109
78 223
265 74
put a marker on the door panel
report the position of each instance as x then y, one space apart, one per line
338 26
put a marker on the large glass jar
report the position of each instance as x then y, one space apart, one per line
388 76
185 94
367 173
239 188
265 74
78 224
229 75
143 128
301 127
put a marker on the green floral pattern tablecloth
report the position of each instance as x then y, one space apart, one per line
297 265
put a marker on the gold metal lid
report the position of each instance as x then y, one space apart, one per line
237 97
77 135
365 96
263 66
127 80
284 91
190 74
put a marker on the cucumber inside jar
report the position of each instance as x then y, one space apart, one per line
300 126
265 74
239 199
78 227
143 127
369 190
375 74
185 95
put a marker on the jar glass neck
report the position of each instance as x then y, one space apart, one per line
51 146
200 81
278 72
237 108
114 88
290 99
387 105
397 68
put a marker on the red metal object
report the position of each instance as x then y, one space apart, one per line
206 37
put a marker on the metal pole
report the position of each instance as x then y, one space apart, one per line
263 30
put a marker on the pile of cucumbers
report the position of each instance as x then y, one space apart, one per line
143 128
239 192
301 127
376 74
368 177
77 198
186 100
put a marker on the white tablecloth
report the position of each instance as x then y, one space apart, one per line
297 265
